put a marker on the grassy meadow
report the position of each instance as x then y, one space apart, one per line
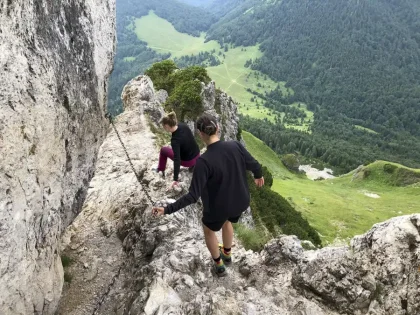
348 205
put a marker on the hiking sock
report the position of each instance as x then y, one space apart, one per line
226 251
219 266
226 255
218 260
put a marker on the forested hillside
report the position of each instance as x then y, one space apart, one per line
355 65
197 3
358 58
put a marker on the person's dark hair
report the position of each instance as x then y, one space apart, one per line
207 124
169 120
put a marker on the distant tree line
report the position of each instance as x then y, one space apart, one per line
345 153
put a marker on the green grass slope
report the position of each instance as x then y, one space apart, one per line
348 205
265 155
387 173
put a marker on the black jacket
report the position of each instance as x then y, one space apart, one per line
220 179
184 146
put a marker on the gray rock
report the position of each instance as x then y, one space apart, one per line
56 57
377 268
160 297
161 96
307 244
139 94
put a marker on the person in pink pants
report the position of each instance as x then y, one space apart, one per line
184 150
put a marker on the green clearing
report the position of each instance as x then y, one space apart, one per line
343 207
308 120
231 76
161 36
365 129
128 59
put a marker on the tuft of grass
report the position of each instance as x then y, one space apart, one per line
67 277
217 105
66 261
253 239
163 138
32 149
377 294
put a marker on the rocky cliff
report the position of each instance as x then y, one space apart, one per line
124 261
55 60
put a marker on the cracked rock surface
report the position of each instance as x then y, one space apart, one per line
55 60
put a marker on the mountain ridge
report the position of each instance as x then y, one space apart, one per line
126 261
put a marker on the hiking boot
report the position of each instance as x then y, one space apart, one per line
160 173
227 259
220 269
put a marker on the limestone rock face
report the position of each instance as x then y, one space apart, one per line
139 94
378 274
55 60
125 261
221 106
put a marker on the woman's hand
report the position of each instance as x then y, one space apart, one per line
173 185
259 182
158 211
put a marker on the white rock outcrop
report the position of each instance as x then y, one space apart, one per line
55 60
127 262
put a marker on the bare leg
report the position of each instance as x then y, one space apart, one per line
211 242
227 234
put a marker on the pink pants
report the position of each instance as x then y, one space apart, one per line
167 152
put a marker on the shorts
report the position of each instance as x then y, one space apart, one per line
217 225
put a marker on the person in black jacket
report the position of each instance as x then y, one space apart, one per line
220 179
184 150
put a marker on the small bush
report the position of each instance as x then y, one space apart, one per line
275 212
291 162
160 73
186 100
239 134
389 168
366 173
319 165
405 177
183 87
